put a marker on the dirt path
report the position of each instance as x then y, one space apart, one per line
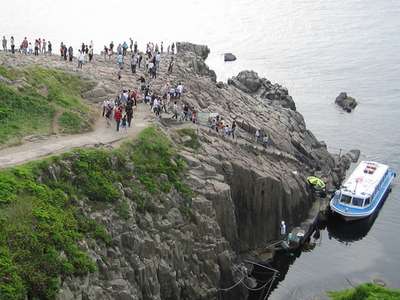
58 144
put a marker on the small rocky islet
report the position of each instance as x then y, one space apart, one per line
171 214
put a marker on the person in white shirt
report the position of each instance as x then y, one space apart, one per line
105 104
179 90
81 59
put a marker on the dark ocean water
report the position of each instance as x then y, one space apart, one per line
315 48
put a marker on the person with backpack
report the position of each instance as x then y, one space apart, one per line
118 116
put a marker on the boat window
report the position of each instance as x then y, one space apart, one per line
345 199
358 201
367 201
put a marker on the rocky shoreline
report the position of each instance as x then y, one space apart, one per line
241 192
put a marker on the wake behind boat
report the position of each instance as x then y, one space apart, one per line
363 192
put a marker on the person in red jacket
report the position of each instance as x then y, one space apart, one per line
118 116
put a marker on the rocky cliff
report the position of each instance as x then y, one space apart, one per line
178 230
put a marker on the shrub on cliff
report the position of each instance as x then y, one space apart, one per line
367 291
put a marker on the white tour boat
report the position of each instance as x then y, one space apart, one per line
363 192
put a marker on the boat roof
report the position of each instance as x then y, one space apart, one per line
364 179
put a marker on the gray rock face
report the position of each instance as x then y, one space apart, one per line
198 50
346 102
229 57
263 89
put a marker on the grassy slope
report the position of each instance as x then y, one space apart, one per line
367 291
41 224
40 94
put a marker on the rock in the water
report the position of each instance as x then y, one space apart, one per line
346 102
229 57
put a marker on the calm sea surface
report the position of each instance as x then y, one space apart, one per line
315 48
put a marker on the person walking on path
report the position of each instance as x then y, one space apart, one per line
4 43
118 117
12 43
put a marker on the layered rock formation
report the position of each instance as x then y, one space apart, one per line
263 89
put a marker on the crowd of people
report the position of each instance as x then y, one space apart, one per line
39 46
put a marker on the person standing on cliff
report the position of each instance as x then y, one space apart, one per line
90 53
233 129
257 135
49 47
44 46
131 44
173 48
111 48
12 43
120 61
171 65
4 42
70 53
81 59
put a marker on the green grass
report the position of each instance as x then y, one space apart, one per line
41 224
367 291
73 123
29 105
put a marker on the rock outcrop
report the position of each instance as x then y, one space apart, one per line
346 102
229 57
263 89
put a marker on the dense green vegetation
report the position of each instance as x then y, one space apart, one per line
41 222
36 96
367 291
